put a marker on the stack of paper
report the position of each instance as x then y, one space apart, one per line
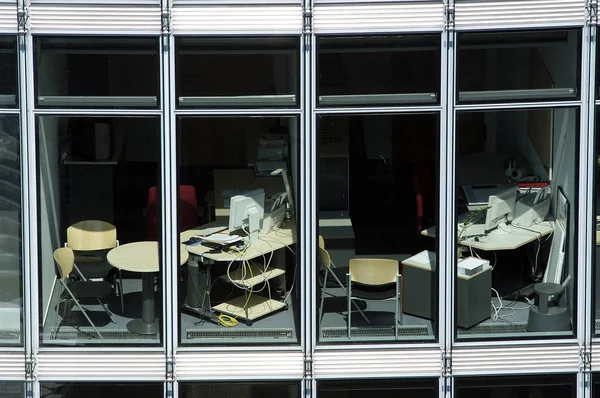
223 239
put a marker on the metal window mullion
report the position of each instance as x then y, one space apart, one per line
378 110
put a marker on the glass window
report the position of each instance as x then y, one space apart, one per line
83 72
378 178
11 292
596 256
99 390
245 390
415 388
99 195
516 198
378 70
237 72
519 66
238 178
546 386
9 74
11 390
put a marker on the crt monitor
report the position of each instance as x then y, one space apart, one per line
501 207
246 212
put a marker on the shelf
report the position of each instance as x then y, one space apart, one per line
257 307
258 276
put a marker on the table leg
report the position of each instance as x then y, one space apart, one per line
198 290
149 323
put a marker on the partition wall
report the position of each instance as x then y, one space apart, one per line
379 120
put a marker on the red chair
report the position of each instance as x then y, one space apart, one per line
188 210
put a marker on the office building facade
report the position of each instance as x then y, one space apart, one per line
449 142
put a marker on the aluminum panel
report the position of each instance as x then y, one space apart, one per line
12 366
105 2
275 365
542 358
222 2
110 366
237 20
595 360
378 363
501 14
378 18
93 19
8 18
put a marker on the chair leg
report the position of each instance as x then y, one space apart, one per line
353 302
121 292
323 289
82 310
349 295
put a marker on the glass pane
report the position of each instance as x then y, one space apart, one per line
596 256
516 197
519 66
418 388
237 72
99 192
82 72
392 70
9 74
241 390
99 390
551 386
11 292
387 162
12 390
236 176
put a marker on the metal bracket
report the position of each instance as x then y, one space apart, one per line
308 367
307 17
170 369
592 12
30 368
23 20
585 360
446 364
165 22
449 17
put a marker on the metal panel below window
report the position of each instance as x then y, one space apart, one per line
12 365
379 18
93 19
8 17
237 20
502 14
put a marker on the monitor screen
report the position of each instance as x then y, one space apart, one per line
501 207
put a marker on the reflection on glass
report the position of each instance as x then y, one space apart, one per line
238 72
394 70
9 75
240 171
11 390
421 388
10 232
98 390
552 386
246 390
518 66
377 194
516 189
97 72
96 178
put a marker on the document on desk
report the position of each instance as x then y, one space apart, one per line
223 239
424 259
210 230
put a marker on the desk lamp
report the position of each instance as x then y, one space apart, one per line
288 191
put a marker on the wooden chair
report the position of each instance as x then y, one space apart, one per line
374 279
91 240
82 289
321 242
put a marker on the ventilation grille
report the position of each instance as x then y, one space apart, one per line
407 331
514 327
11 335
240 334
108 335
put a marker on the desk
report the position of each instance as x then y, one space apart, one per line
199 277
508 237
142 257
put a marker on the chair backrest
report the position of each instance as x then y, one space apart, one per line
324 258
65 258
373 271
321 242
90 235
188 210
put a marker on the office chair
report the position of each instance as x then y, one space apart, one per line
64 259
374 279
91 240
321 242
325 265
188 210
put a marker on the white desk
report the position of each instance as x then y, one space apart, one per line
506 237
242 307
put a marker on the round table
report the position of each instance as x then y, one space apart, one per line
142 257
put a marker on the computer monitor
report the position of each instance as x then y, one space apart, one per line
501 207
246 212
556 259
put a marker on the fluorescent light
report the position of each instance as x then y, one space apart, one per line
239 100
378 99
100 101
526 94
